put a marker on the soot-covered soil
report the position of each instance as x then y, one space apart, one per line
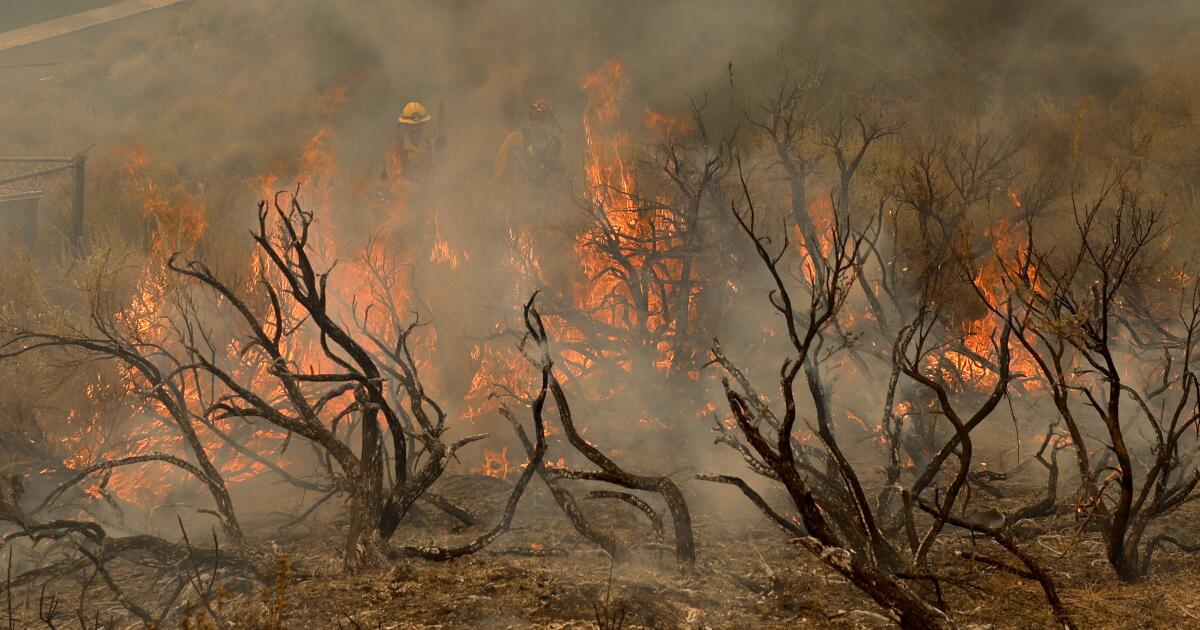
542 575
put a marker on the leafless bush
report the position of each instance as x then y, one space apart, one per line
1113 347
887 557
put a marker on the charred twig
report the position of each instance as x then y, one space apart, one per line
610 472
307 512
535 463
47 611
1049 503
203 589
608 616
539 552
1034 569
116 590
655 519
788 525
442 503
566 501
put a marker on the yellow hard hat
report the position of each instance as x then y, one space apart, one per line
414 114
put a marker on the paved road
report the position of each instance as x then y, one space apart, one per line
36 53
79 21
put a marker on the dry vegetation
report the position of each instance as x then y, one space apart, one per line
895 325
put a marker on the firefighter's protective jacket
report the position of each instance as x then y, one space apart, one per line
530 155
410 158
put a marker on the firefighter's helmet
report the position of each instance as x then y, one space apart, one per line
541 108
414 114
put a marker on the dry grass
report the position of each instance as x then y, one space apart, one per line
748 575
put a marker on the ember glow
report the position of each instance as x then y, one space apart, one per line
495 464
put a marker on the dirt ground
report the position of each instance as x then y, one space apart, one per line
748 575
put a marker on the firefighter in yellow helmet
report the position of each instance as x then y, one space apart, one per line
414 114
531 155
410 158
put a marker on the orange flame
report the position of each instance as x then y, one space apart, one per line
980 333
495 464
668 124
629 235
